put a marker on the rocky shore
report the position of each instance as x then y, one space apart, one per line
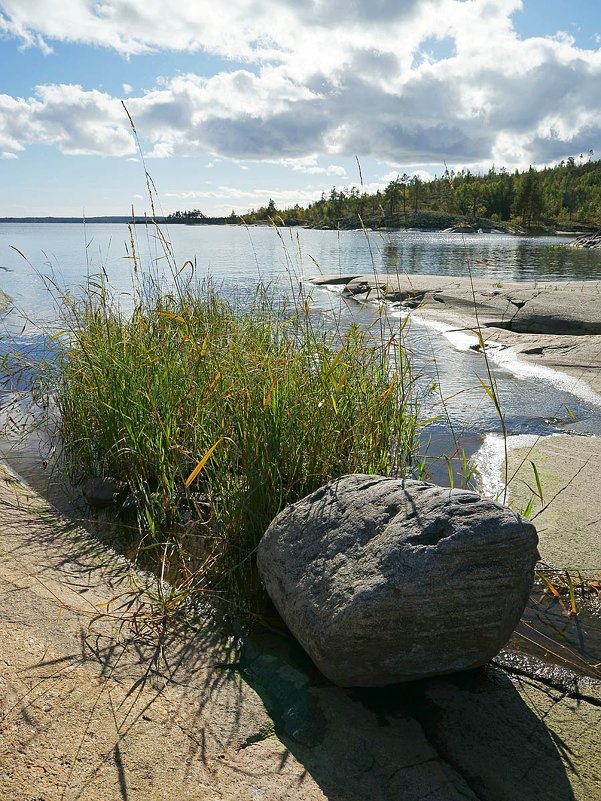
562 308
587 241
555 325
99 700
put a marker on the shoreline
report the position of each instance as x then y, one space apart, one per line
549 329
549 324
568 517
459 229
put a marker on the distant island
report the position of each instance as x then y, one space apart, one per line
116 219
565 197
561 199
86 220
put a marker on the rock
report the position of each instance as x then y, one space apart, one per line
569 310
587 241
358 289
101 492
446 739
385 581
563 308
460 229
332 279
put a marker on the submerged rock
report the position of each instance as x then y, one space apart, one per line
385 581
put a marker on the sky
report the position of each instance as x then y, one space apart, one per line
237 102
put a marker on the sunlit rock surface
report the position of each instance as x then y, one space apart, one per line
385 581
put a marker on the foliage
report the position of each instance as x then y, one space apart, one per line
567 194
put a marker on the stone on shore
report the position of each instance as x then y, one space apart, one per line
568 516
128 705
587 241
384 581
559 308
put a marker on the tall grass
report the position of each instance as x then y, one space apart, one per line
215 417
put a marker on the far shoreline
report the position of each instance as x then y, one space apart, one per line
463 226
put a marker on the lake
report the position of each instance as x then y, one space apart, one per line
236 255
238 258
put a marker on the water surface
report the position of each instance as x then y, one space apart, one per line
238 258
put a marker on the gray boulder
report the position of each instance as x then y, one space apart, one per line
385 581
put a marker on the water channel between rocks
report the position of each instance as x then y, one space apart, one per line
446 369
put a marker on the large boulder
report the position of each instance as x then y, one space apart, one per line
384 581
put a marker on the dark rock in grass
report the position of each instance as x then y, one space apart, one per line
384 581
102 492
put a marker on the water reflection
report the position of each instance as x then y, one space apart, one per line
236 257
485 255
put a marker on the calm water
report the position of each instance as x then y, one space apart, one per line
237 259
237 256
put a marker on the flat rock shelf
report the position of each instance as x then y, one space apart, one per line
566 308
97 707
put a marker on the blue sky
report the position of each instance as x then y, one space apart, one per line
238 103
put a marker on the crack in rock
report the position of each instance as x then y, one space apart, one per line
257 737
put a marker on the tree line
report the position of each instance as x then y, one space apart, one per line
569 194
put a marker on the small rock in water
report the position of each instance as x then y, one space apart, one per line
587 241
385 581
101 492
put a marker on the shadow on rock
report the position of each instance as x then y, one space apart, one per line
467 736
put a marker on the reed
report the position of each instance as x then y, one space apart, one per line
215 415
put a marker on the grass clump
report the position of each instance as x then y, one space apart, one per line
215 417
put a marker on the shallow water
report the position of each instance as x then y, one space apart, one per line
237 259
550 631
449 376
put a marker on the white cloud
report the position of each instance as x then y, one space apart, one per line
76 121
278 195
423 175
162 150
5 154
236 29
127 88
331 169
325 83
310 166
